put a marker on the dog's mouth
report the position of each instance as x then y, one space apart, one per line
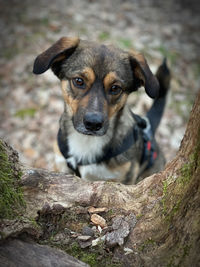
81 129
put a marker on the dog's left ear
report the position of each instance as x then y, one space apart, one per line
57 52
143 74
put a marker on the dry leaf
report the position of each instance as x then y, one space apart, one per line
96 210
98 220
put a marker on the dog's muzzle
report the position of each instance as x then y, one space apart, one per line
93 121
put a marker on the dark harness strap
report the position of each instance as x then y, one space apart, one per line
149 154
63 145
149 149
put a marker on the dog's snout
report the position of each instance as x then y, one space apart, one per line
93 121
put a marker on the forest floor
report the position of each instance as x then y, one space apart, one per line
30 106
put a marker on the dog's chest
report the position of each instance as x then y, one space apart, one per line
87 149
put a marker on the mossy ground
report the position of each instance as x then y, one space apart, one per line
11 195
72 221
94 256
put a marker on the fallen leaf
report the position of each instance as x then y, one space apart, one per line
98 220
96 210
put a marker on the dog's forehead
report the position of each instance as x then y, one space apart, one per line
101 58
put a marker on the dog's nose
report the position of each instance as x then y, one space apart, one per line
93 121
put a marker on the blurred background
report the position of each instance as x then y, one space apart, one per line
30 106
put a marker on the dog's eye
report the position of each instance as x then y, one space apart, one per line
115 90
78 82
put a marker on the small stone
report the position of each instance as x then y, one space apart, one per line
131 220
57 209
85 244
87 231
45 209
98 240
94 228
59 237
121 230
83 237
81 210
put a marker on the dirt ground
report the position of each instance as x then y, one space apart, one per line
30 106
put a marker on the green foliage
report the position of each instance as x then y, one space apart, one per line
91 259
165 186
11 195
104 36
83 255
125 43
139 216
149 243
172 56
171 207
188 169
95 257
27 112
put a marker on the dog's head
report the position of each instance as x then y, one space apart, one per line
96 80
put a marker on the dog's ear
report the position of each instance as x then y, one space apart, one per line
143 74
57 52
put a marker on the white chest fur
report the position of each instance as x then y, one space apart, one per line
88 148
84 147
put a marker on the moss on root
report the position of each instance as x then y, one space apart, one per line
185 174
11 195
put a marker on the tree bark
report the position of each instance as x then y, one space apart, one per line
153 223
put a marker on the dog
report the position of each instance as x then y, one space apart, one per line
100 137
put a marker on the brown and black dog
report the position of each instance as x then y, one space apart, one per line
100 137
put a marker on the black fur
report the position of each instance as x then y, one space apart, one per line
156 111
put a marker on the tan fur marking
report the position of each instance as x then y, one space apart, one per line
141 60
138 56
84 101
89 74
67 42
56 149
109 79
138 73
114 109
72 103
59 58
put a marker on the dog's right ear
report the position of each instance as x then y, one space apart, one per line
57 52
143 74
